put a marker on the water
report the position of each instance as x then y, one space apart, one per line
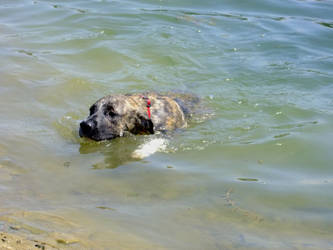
256 174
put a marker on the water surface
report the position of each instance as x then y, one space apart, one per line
257 174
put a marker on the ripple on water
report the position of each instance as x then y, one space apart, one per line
257 171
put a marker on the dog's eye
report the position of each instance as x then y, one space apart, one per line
112 113
109 111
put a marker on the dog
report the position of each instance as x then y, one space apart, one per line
117 115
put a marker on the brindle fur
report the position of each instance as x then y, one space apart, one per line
115 115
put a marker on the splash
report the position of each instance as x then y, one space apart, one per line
150 147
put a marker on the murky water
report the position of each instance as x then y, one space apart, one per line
257 174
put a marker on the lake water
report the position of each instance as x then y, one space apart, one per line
256 174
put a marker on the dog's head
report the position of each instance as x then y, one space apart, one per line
112 116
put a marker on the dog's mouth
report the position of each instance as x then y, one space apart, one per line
96 137
89 130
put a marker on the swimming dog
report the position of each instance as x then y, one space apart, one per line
116 115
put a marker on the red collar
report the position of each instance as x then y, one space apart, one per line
148 105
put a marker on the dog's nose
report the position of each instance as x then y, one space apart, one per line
86 127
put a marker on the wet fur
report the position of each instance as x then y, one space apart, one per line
115 115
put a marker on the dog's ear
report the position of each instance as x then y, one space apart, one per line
147 125
143 125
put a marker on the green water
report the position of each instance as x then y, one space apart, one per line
256 174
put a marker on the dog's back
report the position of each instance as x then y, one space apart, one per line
188 103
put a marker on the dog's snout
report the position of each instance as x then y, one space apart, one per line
87 127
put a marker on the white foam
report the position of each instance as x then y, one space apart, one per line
150 147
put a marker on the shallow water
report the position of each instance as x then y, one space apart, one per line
256 174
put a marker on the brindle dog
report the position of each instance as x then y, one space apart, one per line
115 115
